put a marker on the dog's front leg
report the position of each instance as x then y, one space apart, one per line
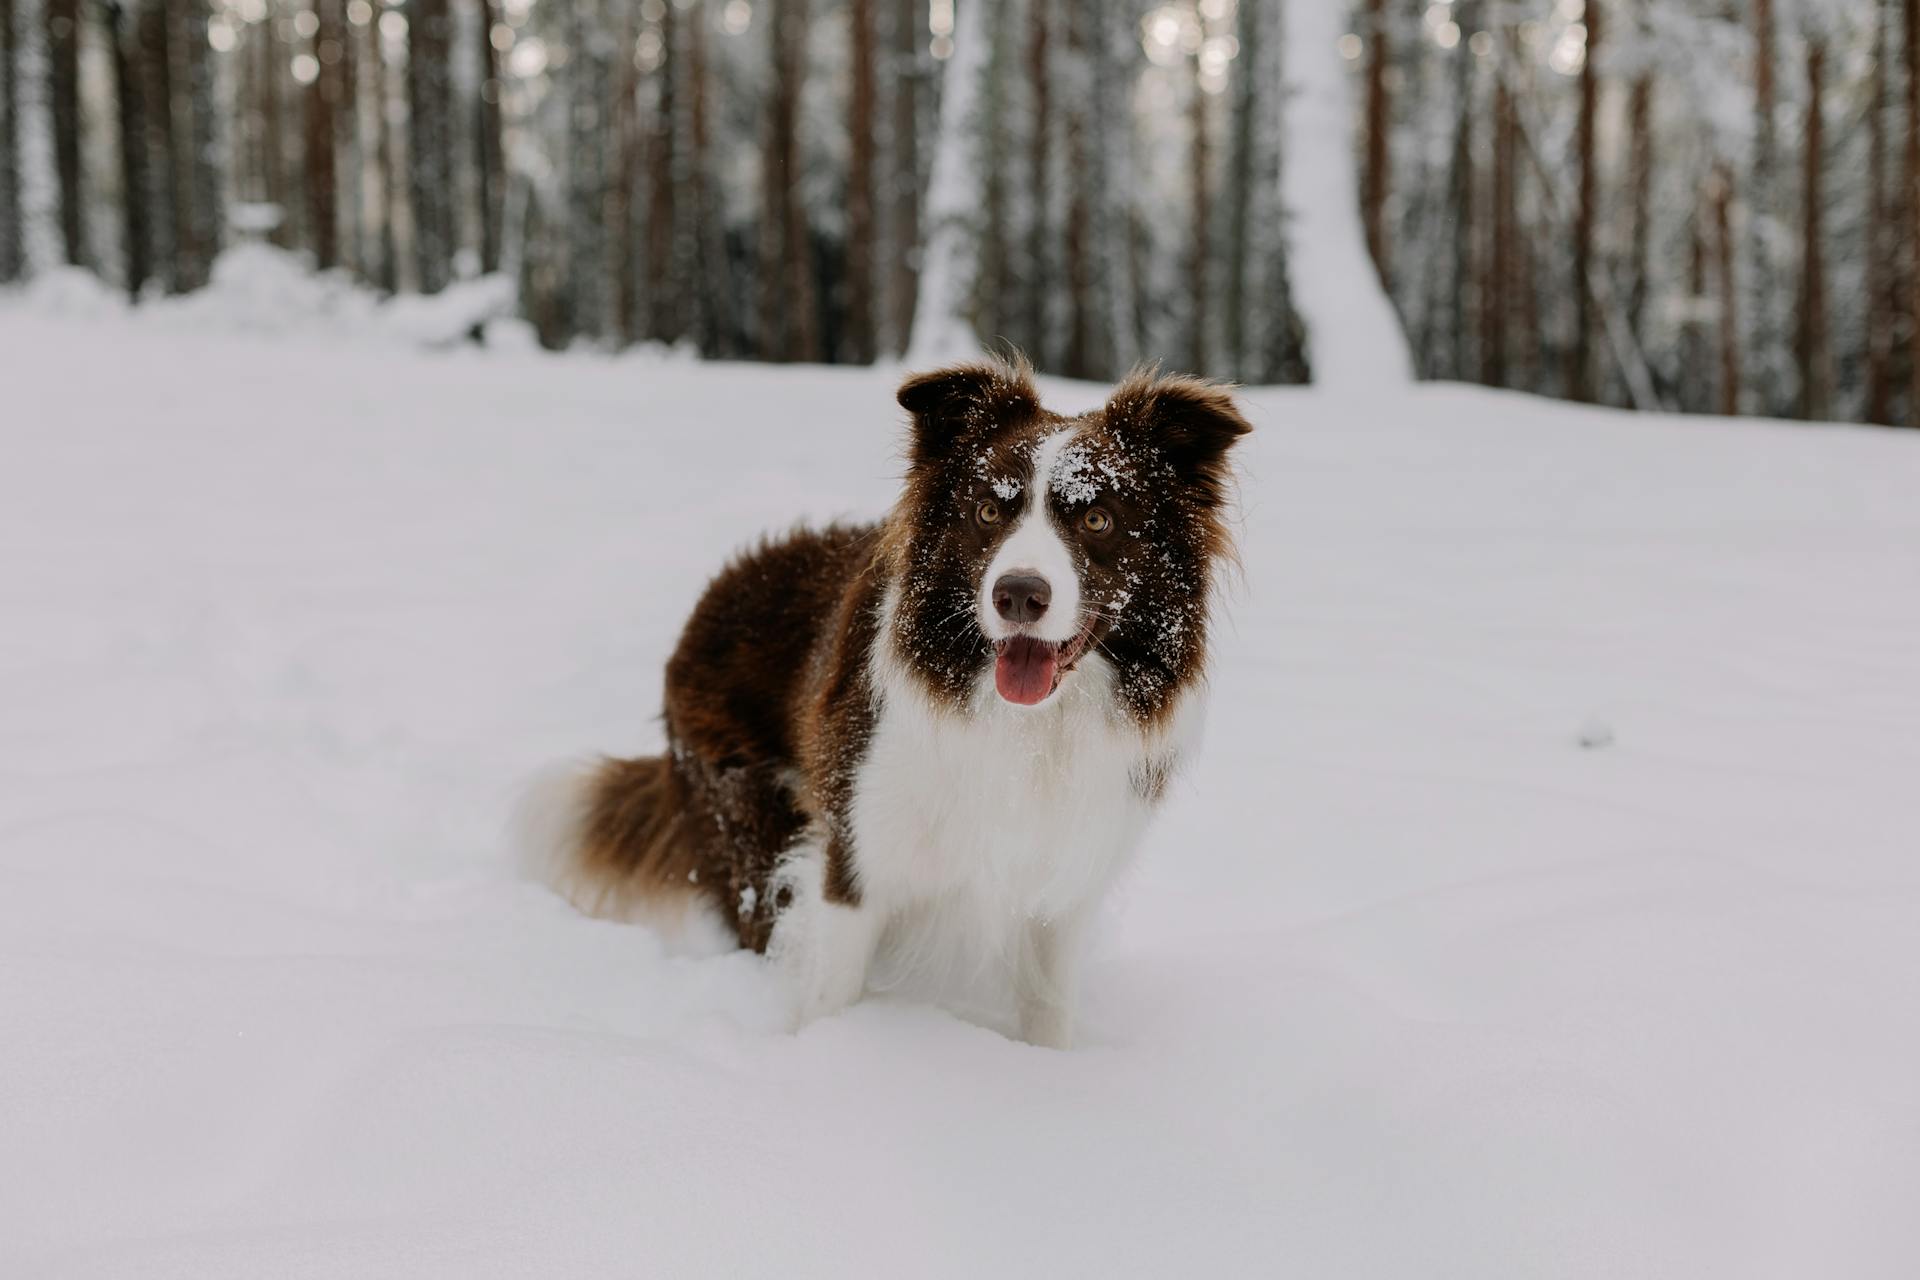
821 948
1048 978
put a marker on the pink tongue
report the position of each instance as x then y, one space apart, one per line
1024 671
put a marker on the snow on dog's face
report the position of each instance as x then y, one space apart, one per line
1030 543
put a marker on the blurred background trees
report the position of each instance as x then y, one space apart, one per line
1701 204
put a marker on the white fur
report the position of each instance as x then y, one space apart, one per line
998 826
1034 545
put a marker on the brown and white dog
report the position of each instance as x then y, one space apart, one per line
957 720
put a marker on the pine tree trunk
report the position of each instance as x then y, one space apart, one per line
1077 360
1880 268
11 251
1693 374
1373 181
995 310
350 175
903 284
386 268
203 244
271 71
788 303
1911 230
1239 192
1039 276
489 149
1496 289
163 147
664 282
858 345
712 296
1640 185
1763 207
323 224
135 242
1580 362
63 54
1462 181
634 265
429 38
1722 197
1814 354
1199 285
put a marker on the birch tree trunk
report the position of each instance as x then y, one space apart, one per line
942 330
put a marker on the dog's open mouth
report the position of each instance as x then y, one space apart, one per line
1027 670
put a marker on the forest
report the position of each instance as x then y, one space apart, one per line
1702 205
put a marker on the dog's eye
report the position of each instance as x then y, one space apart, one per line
987 512
1096 520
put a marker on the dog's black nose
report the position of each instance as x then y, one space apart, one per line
1022 597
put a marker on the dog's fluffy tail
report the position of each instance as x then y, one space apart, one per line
612 838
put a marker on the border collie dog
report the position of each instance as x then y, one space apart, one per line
957 720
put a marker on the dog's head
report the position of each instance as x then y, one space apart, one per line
1031 544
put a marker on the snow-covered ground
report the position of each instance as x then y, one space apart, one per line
1545 903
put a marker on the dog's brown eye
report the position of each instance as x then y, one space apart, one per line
988 512
1096 520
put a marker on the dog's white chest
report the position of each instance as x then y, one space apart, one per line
1016 812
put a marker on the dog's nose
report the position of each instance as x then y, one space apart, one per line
1021 597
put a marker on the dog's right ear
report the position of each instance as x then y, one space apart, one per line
965 402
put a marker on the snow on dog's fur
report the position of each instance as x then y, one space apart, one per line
954 722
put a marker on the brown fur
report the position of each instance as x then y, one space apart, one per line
769 707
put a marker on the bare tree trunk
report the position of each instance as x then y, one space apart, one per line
1880 269
903 285
1239 193
429 153
11 247
1580 362
1721 193
1039 179
490 151
208 215
1815 355
323 99
713 312
1911 231
1078 357
63 54
1373 182
788 299
858 345
995 286
1462 183
133 152
1496 290
163 145
271 69
1198 284
633 261
1640 184
386 272
1693 376
1763 207
664 283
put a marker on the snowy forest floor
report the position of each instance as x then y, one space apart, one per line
1546 900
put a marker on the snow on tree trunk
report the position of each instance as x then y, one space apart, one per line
1354 340
942 330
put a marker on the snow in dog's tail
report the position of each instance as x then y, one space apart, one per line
612 837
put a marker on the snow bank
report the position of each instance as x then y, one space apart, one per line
1420 976
259 291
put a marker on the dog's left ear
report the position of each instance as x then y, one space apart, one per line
1192 422
969 400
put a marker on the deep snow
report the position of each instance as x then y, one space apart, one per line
1545 902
